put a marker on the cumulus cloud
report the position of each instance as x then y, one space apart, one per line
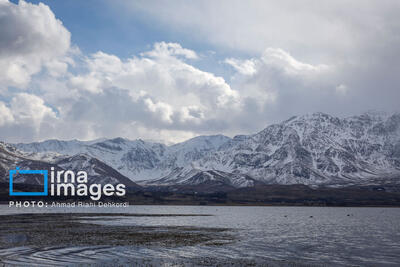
5 114
88 82
281 59
30 109
161 84
31 38
164 85
26 116
160 110
246 67
167 94
165 50
157 91
279 85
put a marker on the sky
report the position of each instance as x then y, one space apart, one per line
172 70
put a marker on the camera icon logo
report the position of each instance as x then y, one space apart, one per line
17 170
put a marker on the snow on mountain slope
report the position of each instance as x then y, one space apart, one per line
316 149
9 156
136 159
183 154
130 158
192 176
63 147
97 171
311 149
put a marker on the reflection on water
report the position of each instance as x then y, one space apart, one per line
345 236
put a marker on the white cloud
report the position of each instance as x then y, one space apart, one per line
161 110
28 109
279 85
89 82
160 83
110 97
166 50
281 59
104 64
31 37
166 93
246 67
5 114
27 117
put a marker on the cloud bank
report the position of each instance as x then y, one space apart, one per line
49 89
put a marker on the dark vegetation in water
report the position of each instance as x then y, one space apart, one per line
66 229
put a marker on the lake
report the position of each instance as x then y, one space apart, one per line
278 236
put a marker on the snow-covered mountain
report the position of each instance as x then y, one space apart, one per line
312 149
98 172
316 149
128 157
137 159
9 156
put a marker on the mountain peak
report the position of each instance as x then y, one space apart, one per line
118 140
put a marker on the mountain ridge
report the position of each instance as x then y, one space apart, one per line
312 149
98 171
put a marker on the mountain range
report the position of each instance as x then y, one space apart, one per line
314 149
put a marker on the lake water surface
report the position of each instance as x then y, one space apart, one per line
274 235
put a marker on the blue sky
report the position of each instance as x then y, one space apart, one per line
102 25
172 70
95 25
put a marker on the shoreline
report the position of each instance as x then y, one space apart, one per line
268 195
5 203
